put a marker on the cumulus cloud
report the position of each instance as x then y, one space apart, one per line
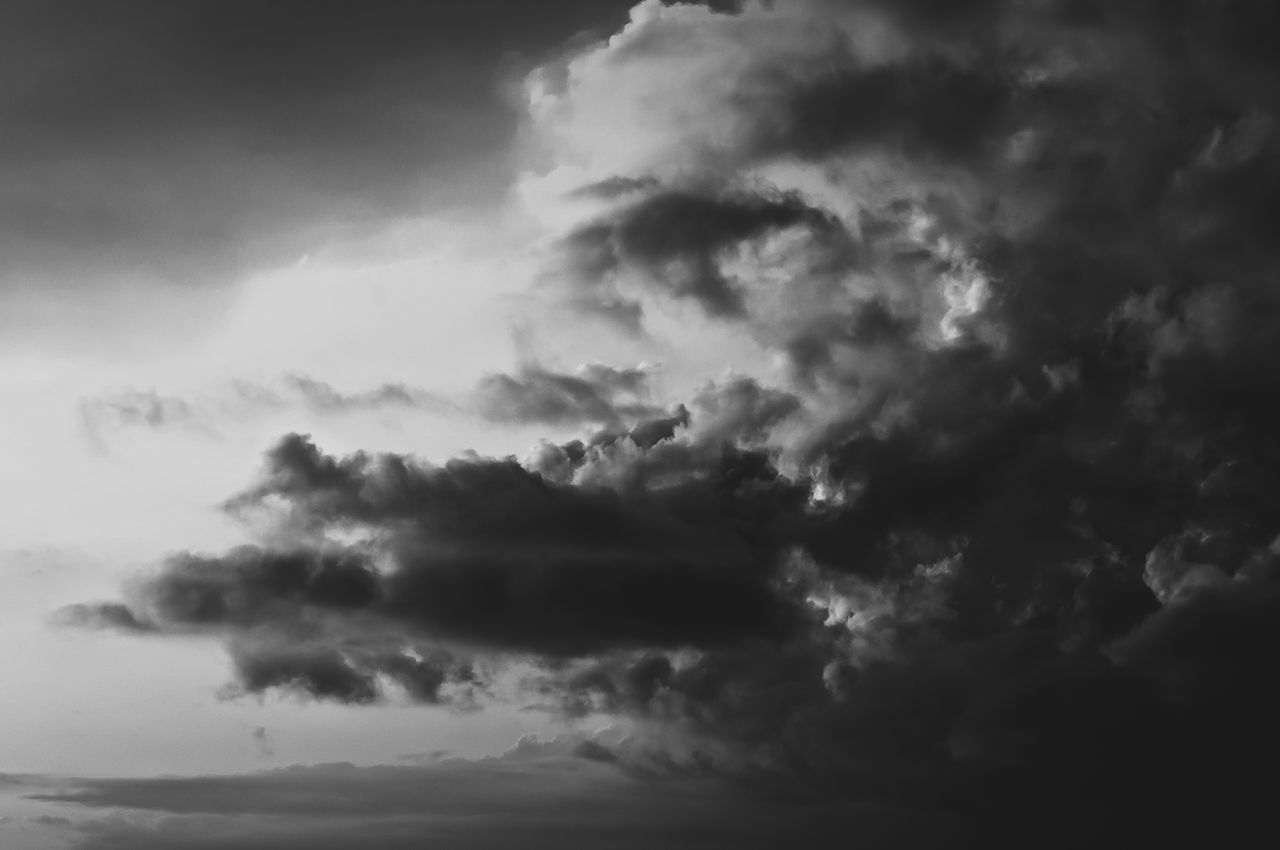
484 550
999 532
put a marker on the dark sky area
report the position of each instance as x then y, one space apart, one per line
152 145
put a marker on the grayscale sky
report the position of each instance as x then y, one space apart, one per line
594 424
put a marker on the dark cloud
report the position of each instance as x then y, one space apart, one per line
983 741
1012 506
998 556
673 239
615 187
479 552
649 433
320 674
918 12
930 107
354 675
595 394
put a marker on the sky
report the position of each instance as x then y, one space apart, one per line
631 425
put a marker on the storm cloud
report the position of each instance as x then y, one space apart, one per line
996 541
483 550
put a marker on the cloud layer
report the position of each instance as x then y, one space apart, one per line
554 794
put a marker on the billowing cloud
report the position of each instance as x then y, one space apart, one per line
998 534
481 555
673 240
485 551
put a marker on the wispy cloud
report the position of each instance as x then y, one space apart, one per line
593 395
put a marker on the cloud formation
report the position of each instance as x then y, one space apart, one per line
105 413
997 538
595 394
484 551
592 396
